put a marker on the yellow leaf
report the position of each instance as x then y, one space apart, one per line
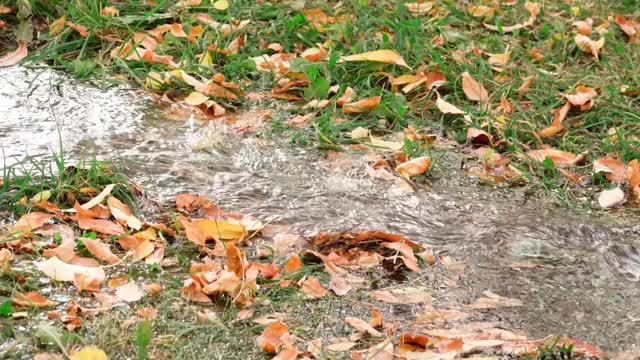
40 197
56 27
196 98
220 229
89 353
221 5
384 56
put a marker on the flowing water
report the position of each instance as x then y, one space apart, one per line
587 285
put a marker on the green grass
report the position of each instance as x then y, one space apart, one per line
29 178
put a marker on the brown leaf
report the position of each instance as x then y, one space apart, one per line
448 108
362 326
629 27
275 336
494 301
449 345
414 167
560 158
411 295
109 11
312 288
57 26
589 46
473 89
129 292
192 291
376 320
478 136
81 29
613 169
582 97
290 353
32 298
361 106
102 226
15 56
235 260
384 56
31 221
100 250
556 125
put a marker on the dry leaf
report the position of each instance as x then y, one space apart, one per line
293 264
582 97
100 250
60 271
611 198
411 295
473 89
448 108
15 56
275 336
478 136
629 27
129 292
98 199
613 169
109 11
363 105
102 226
587 45
312 287
384 56
122 213
414 167
560 158
359 133
32 298
494 301
362 326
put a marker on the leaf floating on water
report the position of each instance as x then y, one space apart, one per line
15 56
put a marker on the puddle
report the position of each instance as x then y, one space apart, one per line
586 287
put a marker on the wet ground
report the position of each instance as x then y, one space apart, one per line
586 285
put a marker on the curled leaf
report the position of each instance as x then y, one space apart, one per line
414 167
384 56
275 336
473 89
15 56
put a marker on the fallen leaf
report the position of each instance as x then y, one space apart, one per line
57 26
613 169
290 353
293 264
98 199
100 250
129 292
31 221
89 353
5 259
473 89
582 97
500 59
478 136
450 345
560 158
60 271
312 288
629 27
81 29
221 5
411 295
448 108
109 11
418 8
384 56
192 291
15 56
610 198
100 225
362 326
589 46
32 298
361 106
359 133
195 98
122 213
494 301
556 125
275 336
414 167
377 319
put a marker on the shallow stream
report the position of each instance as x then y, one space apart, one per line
587 286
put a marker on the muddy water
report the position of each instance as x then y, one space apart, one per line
586 284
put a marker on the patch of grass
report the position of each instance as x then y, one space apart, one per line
40 177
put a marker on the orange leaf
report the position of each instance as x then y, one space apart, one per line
415 167
629 27
32 298
57 26
15 56
31 221
377 320
235 260
109 11
274 336
362 326
582 97
102 226
312 287
144 40
100 250
450 345
559 157
361 106
473 89
293 264
613 169
81 29
192 291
